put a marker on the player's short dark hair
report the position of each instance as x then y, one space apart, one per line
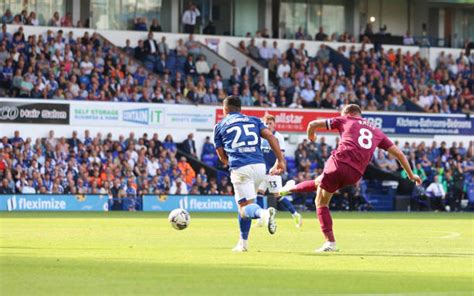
233 103
352 109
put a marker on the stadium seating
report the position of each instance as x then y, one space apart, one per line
388 80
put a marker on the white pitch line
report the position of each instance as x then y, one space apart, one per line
450 234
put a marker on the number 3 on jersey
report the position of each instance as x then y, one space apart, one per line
365 138
236 142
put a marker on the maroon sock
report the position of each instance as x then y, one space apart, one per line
325 220
305 186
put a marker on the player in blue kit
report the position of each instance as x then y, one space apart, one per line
238 139
273 183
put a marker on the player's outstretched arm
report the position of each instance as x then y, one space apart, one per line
280 166
313 126
222 156
398 154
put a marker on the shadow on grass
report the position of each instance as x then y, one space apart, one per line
48 276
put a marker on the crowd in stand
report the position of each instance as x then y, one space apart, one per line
376 80
129 167
124 167
60 65
30 19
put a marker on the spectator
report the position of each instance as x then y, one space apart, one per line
408 39
189 145
265 52
178 187
55 21
163 47
253 50
189 18
300 35
190 67
5 187
66 21
284 67
155 26
187 171
150 48
140 24
275 51
181 50
246 98
202 67
169 144
249 70
140 52
32 20
321 36
208 148
7 17
436 193
210 97
193 47
5 36
323 54
128 49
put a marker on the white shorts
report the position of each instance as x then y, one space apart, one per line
246 181
271 183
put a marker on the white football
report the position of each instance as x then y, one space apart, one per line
179 219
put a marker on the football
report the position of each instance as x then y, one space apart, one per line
179 219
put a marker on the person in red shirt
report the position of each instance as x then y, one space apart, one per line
347 163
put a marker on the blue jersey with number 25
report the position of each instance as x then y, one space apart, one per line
239 135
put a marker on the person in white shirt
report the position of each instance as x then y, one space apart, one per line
152 166
87 65
178 187
436 193
298 104
408 39
282 68
425 100
32 20
189 18
202 67
28 188
275 51
307 94
265 52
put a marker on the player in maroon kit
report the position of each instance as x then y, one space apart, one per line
347 163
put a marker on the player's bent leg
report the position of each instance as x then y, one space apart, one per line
249 210
323 197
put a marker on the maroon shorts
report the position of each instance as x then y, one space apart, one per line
337 175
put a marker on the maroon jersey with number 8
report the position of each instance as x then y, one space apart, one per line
359 138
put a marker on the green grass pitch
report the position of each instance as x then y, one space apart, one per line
139 253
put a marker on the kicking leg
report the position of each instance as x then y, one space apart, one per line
250 210
305 186
323 198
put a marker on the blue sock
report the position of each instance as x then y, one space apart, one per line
260 201
244 225
288 205
252 211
